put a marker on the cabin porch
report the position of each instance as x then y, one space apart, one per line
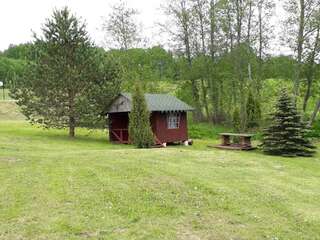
119 128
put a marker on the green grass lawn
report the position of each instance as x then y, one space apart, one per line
52 187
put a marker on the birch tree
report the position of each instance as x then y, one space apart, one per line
179 26
121 27
299 28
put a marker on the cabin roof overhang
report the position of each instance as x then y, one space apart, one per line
155 103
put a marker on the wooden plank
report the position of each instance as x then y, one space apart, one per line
117 137
233 147
236 134
158 142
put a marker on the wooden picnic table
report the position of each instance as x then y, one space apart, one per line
228 141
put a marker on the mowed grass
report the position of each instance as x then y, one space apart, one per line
56 188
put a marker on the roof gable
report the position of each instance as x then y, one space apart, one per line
155 103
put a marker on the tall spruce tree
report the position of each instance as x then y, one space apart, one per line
70 82
286 136
140 132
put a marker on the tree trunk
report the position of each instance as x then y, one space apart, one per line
300 49
259 78
205 101
311 70
249 41
186 39
72 119
307 94
240 61
249 72
212 29
315 113
72 127
202 30
239 16
216 102
230 28
249 23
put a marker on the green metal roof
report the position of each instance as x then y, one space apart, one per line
162 103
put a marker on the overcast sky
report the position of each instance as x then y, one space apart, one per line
18 18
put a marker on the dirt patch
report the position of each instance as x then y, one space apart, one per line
9 110
187 235
87 234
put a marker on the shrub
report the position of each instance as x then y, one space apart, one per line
205 130
140 132
236 122
253 112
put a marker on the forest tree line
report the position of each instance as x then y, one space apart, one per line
221 55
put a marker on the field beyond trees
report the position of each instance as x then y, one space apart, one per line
53 187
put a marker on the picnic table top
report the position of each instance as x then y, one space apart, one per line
237 134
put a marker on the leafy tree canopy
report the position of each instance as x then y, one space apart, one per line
20 51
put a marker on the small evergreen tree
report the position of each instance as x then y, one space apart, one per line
236 120
253 111
140 132
287 134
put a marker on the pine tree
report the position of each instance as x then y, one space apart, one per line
287 134
253 111
70 83
140 132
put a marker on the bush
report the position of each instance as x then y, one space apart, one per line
140 132
205 131
253 112
236 122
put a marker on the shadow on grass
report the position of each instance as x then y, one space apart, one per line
30 133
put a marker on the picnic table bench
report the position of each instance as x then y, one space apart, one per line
228 142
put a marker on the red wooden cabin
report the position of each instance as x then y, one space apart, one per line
168 118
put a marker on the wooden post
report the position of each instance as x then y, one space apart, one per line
225 140
247 141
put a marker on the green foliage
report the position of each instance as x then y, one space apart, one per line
286 136
150 66
70 83
236 122
279 67
253 111
315 130
21 52
184 91
205 130
11 69
140 132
